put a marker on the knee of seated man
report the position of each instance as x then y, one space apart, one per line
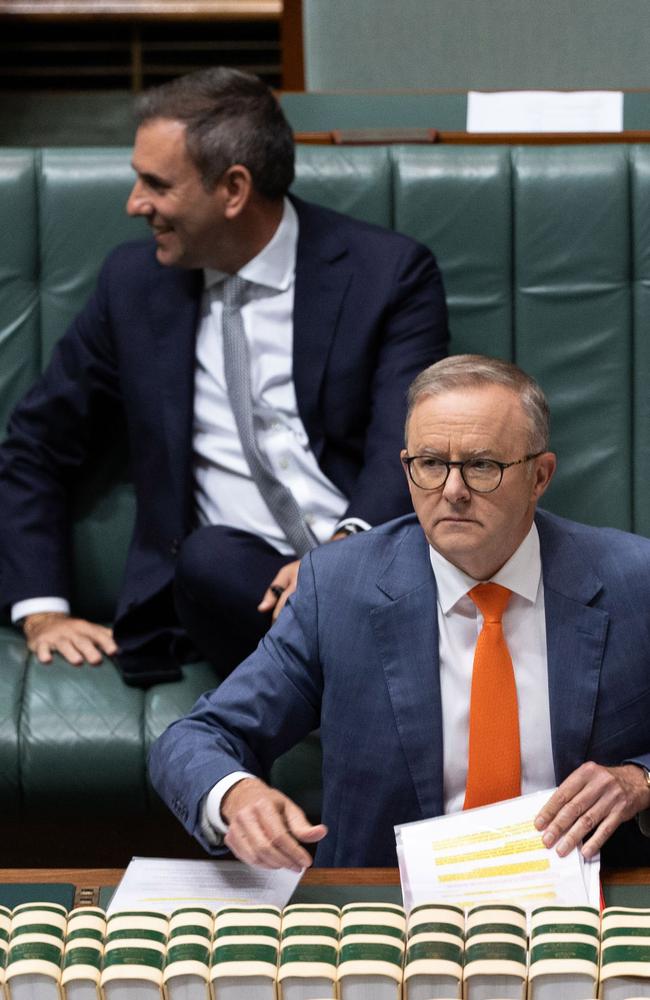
208 559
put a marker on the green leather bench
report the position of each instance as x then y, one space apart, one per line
545 253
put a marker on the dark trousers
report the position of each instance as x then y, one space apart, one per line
221 576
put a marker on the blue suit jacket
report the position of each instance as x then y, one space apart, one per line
360 659
369 314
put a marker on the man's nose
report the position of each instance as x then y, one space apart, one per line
455 489
138 202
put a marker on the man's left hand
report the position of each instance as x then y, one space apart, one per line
593 801
280 589
284 583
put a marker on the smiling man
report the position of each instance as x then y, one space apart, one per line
258 349
476 651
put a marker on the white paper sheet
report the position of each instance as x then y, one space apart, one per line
165 884
491 854
545 111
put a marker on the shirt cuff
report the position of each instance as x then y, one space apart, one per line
357 522
38 605
213 825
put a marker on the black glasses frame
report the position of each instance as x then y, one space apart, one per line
408 459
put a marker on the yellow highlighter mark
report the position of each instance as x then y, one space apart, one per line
514 830
514 847
498 871
544 891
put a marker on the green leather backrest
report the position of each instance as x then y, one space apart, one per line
19 301
545 252
535 247
640 341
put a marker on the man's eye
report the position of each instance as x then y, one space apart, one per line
481 465
429 462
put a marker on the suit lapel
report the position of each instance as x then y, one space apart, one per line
175 300
406 629
323 273
575 640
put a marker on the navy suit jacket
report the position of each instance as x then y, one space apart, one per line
360 660
369 314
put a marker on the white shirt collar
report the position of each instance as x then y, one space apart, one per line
275 265
521 574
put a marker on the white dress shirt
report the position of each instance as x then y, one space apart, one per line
524 628
225 493
223 488
459 624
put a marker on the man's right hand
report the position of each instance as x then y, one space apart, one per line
266 827
77 640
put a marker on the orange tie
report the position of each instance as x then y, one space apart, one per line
494 766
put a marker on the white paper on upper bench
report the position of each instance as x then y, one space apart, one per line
545 111
491 854
165 884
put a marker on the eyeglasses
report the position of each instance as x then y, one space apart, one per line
481 475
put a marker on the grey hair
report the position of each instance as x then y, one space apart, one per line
230 117
470 371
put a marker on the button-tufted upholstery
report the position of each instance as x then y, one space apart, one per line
545 253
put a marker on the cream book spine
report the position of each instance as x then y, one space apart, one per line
434 953
35 953
625 953
495 952
5 929
371 953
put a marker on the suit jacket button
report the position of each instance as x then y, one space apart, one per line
175 546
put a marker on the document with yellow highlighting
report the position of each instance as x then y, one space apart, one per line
491 854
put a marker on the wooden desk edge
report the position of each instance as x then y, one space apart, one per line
92 877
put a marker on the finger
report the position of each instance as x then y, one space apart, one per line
559 799
271 596
257 844
301 828
66 648
88 650
582 815
281 601
103 639
279 847
42 651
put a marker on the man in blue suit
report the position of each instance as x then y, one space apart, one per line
377 646
336 315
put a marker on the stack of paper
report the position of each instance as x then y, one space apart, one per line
491 854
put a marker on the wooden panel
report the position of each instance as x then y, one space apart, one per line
384 136
313 876
143 10
293 60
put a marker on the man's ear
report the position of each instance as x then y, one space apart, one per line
545 467
235 188
402 455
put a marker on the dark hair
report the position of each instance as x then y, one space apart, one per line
470 371
231 117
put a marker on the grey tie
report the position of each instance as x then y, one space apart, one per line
277 497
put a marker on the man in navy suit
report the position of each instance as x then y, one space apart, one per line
337 315
376 647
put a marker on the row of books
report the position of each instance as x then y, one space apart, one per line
363 951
